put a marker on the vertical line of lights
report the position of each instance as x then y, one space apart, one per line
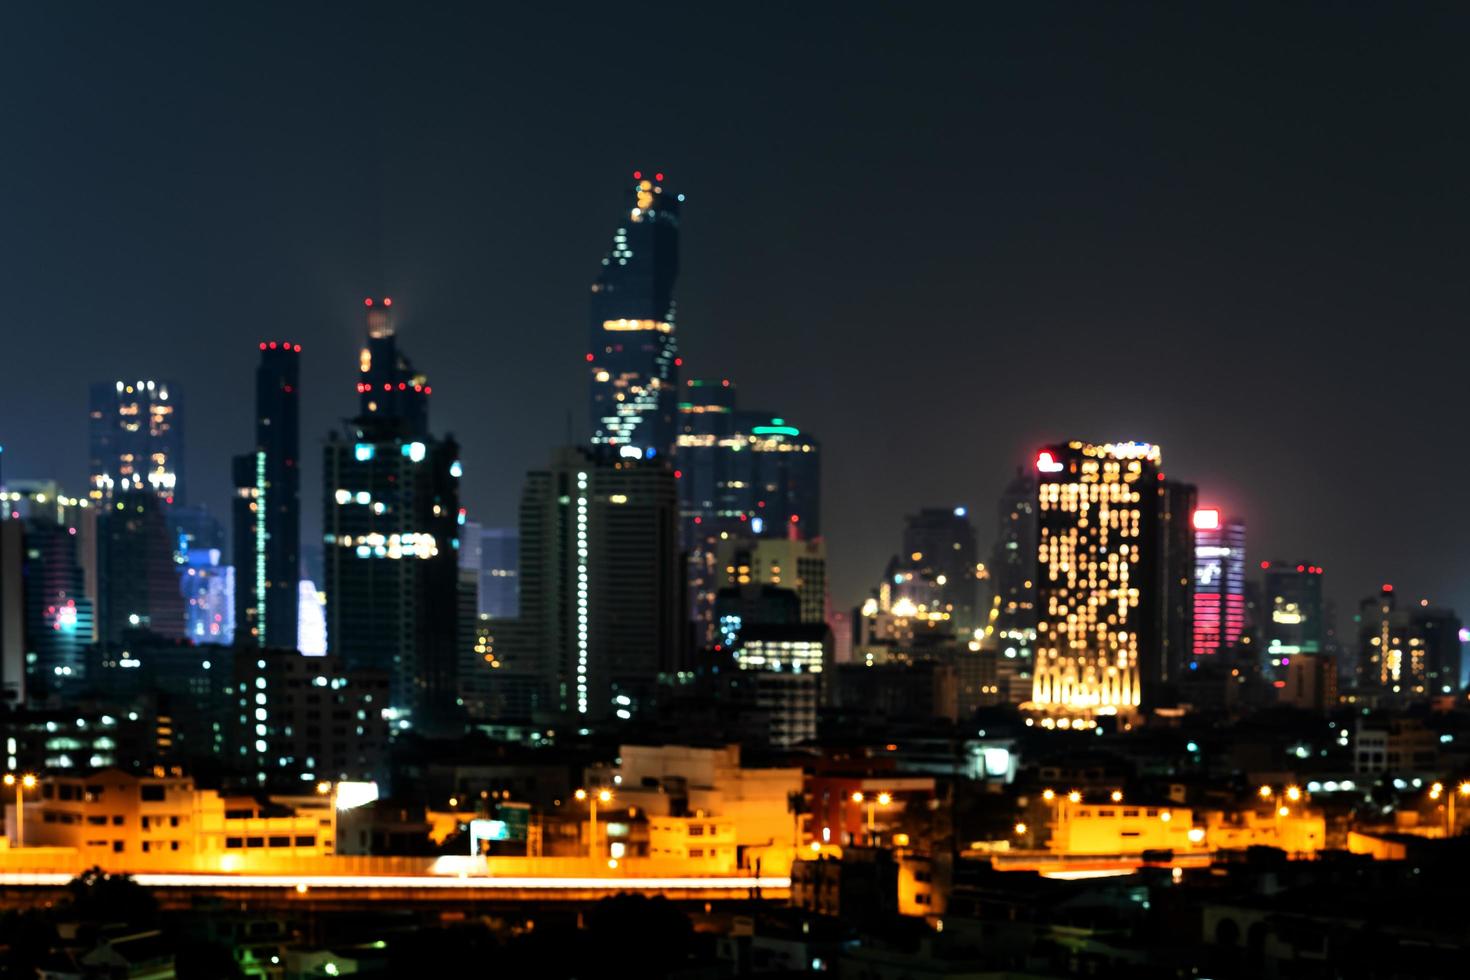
582 593
260 539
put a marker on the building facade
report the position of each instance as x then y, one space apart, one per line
136 439
632 354
1099 559
391 530
267 505
138 579
601 606
939 544
1219 582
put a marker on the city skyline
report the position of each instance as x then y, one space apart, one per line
1254 289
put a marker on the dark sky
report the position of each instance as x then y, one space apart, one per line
934 234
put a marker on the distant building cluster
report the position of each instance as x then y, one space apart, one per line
644 674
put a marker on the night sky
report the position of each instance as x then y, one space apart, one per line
937 243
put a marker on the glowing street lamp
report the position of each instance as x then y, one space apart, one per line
21 784
592 799
881 799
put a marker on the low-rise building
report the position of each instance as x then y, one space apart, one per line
114 818
680 781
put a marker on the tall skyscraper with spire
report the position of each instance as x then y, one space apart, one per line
267 506
391 529
632 357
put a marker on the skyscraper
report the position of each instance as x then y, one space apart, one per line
267 506
1174 582
137 575
939 543
42 586
500 560
1219 582
1099 574
1408 653
800 566
1011 623
136 439
1292 620
632 355
391 535
743 475
601 612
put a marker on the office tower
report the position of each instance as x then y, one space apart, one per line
302 719
267 505
1439 632
12 613
207 584
1310 683
939 545
1010 627
601 587
743 475
780 667
138 582
800 566
1292 618
1377 662
500 561
1174 583
1099 511
1219 582
391 534
1410 653
136 438
632 354
46 616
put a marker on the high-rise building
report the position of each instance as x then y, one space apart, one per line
267 505
939 545
601 611
500 582
46 616
1219 582
12 613
800 566
632 356
1099 623
136 438
206 583
302 719
743 475
1409 653
391 533
1174 582
1011 622
138 580
209 597
1292 618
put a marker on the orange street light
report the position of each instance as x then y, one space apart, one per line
21 784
